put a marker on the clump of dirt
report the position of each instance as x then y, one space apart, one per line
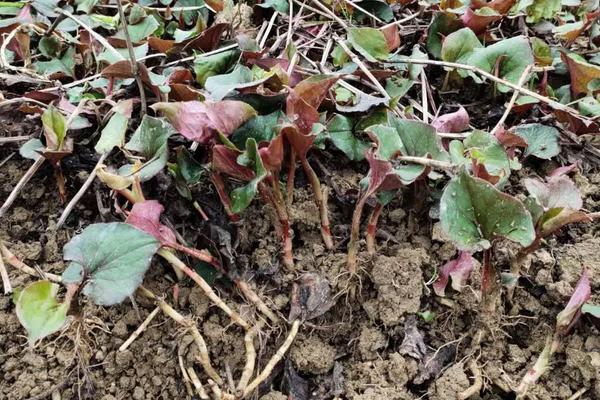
573 258
399 285
452 382
313 356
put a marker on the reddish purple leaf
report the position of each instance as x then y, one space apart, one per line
557 192
380 173
478 22
304 100
224 160
569 316
567 169
299 141
146 217
457 121
272 154
457 270
200 121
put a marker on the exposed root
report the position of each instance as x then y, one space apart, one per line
477 385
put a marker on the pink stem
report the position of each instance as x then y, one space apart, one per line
320 201
354 233
223 196
372 227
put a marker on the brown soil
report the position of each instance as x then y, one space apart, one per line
360 345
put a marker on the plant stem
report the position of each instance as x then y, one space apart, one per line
217 180
22 182
372 228
286 237
248 370
320 201
132 60
11 259
354 234
290 179
177 263
489 287
541 365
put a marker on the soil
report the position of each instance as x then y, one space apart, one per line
372 344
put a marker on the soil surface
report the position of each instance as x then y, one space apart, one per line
374 343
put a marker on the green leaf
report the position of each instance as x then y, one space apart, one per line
190 169
85 6
542 140
414 70
220 86
378 8
473 213
458 46
150 140
539 9
369 42
418 139
55 128
242 197
49 46
278 5
511 55
207 66
388 141
31 149
39 312
109 260
442 25
64 64
141 30
398 87
261 128
341 133
110 58
113 134
485 148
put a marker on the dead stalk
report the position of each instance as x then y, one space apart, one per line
67 211
132 60
22 182
250 357
512 101
197 384
139 330
5 279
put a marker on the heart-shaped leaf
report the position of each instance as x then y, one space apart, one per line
201 121
38 310
341 133
454 122
145 216
242 197
458 46
542 140
109 260
510 56
484 149
113 134
369 42
150 140
473 213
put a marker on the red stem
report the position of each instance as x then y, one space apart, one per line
489 287
277 203
217 180
320 201
290 178
354 233
372 227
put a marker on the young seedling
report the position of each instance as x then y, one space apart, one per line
565 321
409 141
57 146
260 168
473 213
